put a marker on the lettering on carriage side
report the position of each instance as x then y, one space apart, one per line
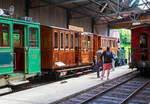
11 62
34 56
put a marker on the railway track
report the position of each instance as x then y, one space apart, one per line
122 90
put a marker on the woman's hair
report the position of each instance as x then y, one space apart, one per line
108 48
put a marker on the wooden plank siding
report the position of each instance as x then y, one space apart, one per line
106 42
52 54
86 53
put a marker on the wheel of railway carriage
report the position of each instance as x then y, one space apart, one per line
50 75
141 71
57 75
39 76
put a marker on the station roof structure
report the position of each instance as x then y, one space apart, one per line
125 12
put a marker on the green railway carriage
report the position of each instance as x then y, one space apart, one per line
20 56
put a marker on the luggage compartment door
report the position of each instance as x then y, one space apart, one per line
33 51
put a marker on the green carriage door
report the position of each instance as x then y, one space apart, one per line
6 52
34 63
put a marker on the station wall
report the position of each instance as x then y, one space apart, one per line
51 15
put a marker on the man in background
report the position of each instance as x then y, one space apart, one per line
113 61
99 61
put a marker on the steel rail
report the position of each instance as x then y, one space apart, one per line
135 92
105 91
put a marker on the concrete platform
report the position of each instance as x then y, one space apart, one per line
51 92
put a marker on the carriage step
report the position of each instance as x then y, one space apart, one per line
87 71
18 82
5 90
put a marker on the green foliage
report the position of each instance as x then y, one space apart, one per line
125 40
125 36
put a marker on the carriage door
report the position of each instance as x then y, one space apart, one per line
76 48
34 50
144 46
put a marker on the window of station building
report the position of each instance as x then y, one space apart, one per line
17 38
4 35
71 43
33 37
62 40
55 40
67 41
88 42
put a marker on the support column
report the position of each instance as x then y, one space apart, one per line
108 30
27 7
92 25
68 12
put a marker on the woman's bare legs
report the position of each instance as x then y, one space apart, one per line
108 72
102 74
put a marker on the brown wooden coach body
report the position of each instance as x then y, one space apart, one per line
109 42
57 45
96 43
72 48
86 48
104 42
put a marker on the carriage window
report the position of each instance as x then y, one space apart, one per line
55 40
76 40
113 44
143 40
110 43
84 42
4 35
101 42
33 37
71 41
62 40
67 40
106 43
88 42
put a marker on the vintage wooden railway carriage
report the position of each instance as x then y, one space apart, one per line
109 42
140 48
19 50
104 42
57 47
62 49
86 48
